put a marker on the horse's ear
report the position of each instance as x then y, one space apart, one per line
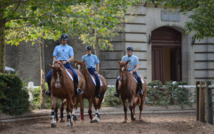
75 64
119 61
83 61
127 62
51 66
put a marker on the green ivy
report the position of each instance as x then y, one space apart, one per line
35 104
110 99
172 94
13 95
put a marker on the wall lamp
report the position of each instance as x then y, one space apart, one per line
193 40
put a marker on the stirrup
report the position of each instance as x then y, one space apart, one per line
97 95
116 94
141 92
48 93
79 91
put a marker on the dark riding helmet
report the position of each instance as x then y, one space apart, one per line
129 49
64 37
89 48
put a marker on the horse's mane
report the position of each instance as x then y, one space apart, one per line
81 63
61 65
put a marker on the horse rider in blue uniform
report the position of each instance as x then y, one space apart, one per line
133 66
65 54
92 62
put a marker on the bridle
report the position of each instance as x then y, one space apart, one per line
123 71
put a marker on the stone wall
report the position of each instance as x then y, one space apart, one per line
25 60
204 59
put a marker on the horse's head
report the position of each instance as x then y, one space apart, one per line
123 70
80 65
57 72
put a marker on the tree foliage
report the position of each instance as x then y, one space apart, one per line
200 11
89 20
49 19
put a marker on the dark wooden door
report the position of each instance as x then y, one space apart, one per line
166 37
175 64
157 63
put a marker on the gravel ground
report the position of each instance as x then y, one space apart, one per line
113 124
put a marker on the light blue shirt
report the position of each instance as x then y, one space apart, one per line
90 60
132 63
63 52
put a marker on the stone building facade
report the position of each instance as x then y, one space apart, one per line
159 39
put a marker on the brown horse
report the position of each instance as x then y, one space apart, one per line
128 90
89 93
62 87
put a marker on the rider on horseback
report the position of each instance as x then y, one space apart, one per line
65 54
92 61
133 66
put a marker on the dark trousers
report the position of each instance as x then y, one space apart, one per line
139 83
68 66
97 79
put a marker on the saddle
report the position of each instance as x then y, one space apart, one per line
94 81
135 78
69 74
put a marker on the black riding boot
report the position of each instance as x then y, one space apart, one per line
139 86
116 94
48 93
97 92
140 90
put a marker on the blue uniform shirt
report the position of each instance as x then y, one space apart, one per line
90 60
63 52
132 63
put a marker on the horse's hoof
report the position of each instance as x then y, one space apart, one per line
62 120
93 121
75 118
70 124
133 119
53 125
125 121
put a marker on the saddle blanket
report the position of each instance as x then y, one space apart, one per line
71 77
136 80
93 79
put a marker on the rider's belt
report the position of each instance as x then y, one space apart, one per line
62 60
91 67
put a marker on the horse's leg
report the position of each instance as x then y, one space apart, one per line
140 107
68 109
125 110
53 107
81 109
73 115
96 106
132 107
61 111
56 113
90 108
142 99
97 115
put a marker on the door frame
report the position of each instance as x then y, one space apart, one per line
166 37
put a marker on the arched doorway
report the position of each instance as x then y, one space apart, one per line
166 54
